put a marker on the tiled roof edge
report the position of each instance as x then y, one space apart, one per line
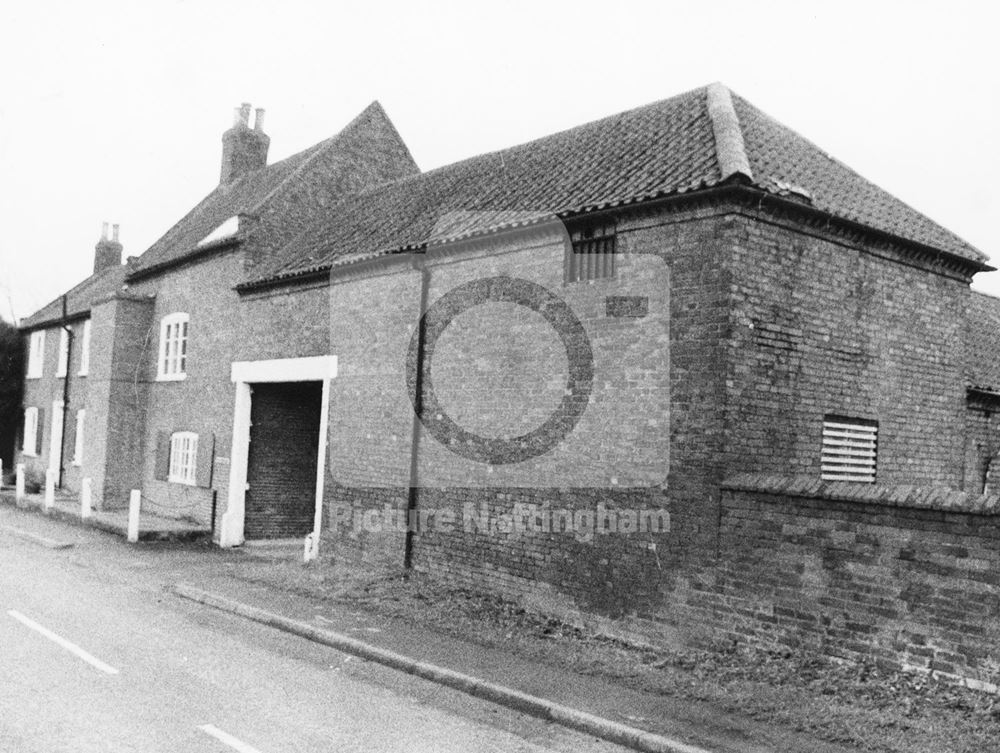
713 192
194 255
936 498
729 147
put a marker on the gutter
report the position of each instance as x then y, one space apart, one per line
30 326
735 185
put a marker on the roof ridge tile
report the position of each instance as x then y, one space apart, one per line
730 150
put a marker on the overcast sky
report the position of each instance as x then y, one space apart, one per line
114 111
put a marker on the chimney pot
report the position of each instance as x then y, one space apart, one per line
108 251
114 232
243 149
258 120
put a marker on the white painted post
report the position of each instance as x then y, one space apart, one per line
231 526
85 499
1 473
313 539
19 483
134 500
311 550
50 489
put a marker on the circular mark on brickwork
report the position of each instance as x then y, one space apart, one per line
579 382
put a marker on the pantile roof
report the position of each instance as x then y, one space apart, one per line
695 140
366 148
249 193
780 158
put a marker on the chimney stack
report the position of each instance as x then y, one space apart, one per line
243 149
107 252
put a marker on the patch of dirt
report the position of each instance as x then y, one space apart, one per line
857 706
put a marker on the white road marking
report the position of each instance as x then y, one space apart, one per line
71 647
228 739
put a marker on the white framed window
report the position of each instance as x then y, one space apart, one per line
78 444
30 444
36 354
85 349
172 364
63 352
183 457
850 449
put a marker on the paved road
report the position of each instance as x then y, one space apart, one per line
95 656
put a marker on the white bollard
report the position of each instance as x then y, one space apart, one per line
134 501
85 499
50 489
19 483
1 473
311 550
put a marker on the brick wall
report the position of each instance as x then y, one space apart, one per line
766 328
982 442
754 330
650 437
823 326
41 393
223 328
117 398
908 578
203 401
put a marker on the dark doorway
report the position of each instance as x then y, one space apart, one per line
281 466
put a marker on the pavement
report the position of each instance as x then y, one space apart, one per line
652 722
152 527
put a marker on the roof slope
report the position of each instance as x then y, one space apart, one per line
778 155
289 193
698 139
365 138
982 342
79 298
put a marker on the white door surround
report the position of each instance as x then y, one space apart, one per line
244 373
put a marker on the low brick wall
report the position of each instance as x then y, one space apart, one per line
907 577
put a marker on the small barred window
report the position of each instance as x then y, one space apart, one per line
591 254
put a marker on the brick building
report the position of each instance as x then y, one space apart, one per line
686 312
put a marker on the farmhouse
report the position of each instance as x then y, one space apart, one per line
685 308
